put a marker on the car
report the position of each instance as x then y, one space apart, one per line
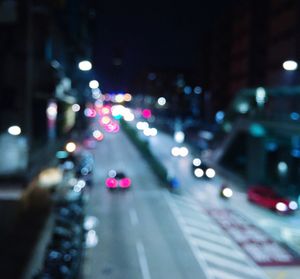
268 198
117 179
200 169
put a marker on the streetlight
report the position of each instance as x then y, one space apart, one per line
14 130
290 65
85 65
94 84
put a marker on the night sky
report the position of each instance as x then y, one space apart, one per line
149 36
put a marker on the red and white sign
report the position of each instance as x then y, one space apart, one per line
255 242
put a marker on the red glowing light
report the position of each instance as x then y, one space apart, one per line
90 112
111 182
125 182
112 127
147 113
100 137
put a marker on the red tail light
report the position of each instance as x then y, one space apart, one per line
125 182
111 182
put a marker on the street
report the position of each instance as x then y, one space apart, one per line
138 236
147 232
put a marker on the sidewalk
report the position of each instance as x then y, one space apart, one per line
290 225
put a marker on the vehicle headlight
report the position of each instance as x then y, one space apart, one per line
175 151
280 206
196 162
198 172
227 192
210 173
184 151
293 205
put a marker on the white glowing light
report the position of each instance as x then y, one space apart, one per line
142 125
75 107
112 173
243 107
14 130
282 167
280 206
93 84
198 172
96 93
91 239
81 183
161 101
184 151
71 147
196 162
147 132
293 205
227 192
290 65
260 95
210 173
119 98
179 136
51 111
90 222
97 134
117 110
85 65
153 132
175 151
128 115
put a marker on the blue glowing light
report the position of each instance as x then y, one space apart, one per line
271 146
295 116
187 90
295 153
197 90
257 130
219 116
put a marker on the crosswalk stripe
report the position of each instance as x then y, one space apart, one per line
216 238
195 214
203 225
217 254
220 261
220 250
186 200
193 206
224 275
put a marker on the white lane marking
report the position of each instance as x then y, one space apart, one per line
224 275
221 250
220 261
201 261
143 260
133 217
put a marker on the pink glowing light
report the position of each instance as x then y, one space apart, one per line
111 182
146 113
125 183
112 127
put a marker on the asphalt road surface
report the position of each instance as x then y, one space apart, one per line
137 233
